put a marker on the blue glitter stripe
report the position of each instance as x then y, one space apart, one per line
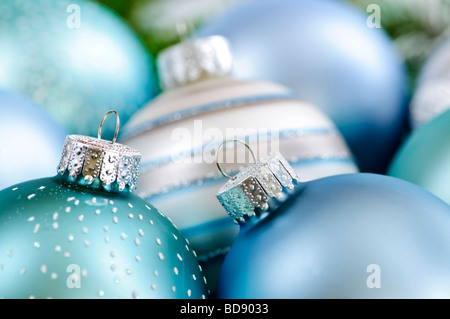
219 180
128 133
200 149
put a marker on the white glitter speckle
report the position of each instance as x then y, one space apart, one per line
41 188
161 256
130 205
69 199
114 210
175 270
76 202
189 292
115 219
44 269
15 188
67 254
107 238
67 210
106 228
129 271
148 207
156 273
70 237
87 243
30 219
54 275
179 257
55 216
153 287
58 249
36 228
138 258
55 225
141 217
141 232
36 244
174 288
31 196
137 241
84 230
97 212
194 277
123 236
101 293
80 218
131 216
175 236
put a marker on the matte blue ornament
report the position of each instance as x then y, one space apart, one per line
30 142
326 52
424 159
75 58
346 236
83 234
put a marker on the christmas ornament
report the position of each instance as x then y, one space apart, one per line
432 96
75 58
30 143
347 236
180 130
326 52
425 157
83 234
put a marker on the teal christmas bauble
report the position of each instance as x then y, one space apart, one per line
347 236
30 140
424 159
72 236
75 58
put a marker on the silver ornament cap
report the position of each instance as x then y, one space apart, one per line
260 186
95 160
193 60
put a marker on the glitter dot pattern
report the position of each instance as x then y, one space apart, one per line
123 247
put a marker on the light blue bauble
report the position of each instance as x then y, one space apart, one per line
424 159
75 58
30 142
326 52
347 236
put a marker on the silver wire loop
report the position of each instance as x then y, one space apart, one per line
117 126
221 147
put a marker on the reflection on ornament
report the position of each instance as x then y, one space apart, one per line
327 54
424 159
30 143
75 59
78 235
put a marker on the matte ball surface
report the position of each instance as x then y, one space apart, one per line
425 158
62 240
326 53
31 142
75 58
341 237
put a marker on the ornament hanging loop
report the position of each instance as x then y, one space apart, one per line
221 147
117 126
